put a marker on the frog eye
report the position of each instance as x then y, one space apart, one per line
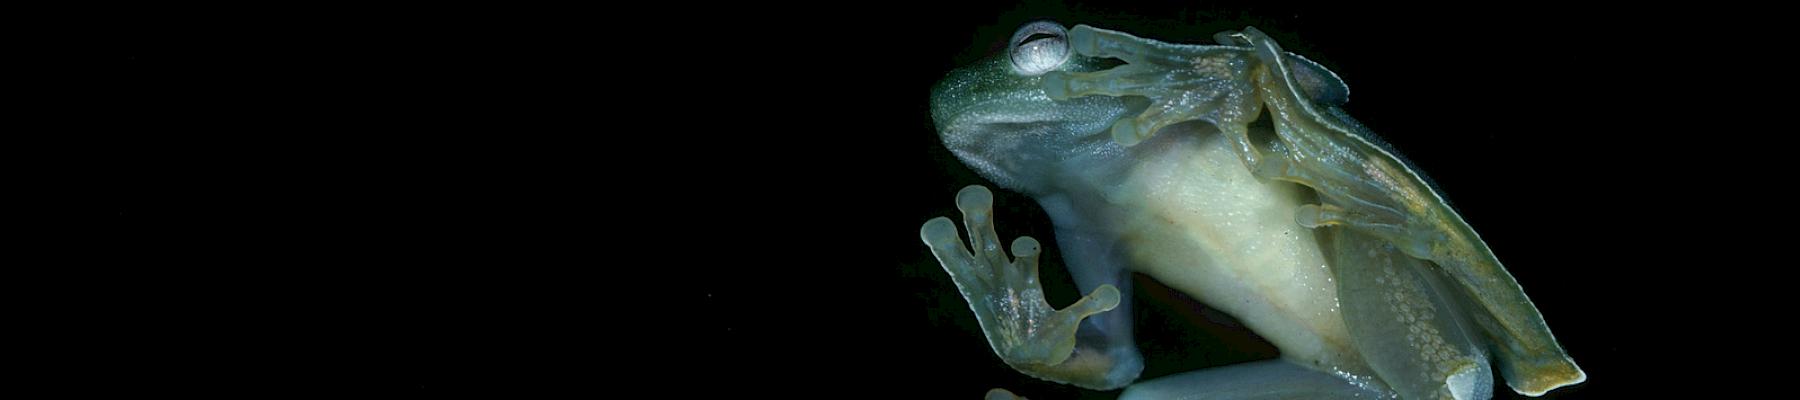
1038 47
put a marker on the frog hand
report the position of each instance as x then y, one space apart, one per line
1024 330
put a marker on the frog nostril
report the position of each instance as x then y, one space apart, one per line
1038 47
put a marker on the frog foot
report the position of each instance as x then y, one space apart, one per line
1374 221
1002 394
1183 82
1212 83
1023 329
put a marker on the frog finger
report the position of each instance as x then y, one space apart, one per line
1131 131
1317 215
1054 333
1096 42
1177 96
1383 225
1379 224
1239 133
947 246
1124 80
977 205
1210 86
1025 261
1102 299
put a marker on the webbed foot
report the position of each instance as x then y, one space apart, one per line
1001 394
1183 82
1023 329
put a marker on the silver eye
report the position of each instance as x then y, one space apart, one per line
1038 47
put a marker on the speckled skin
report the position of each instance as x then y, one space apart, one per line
1318 239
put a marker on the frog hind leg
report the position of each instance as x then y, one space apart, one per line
1267 379
1406 213
1405 321
1183 83
1001 394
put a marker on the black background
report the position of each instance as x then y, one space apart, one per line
1513 111
725 200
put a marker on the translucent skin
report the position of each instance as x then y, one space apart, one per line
1310 233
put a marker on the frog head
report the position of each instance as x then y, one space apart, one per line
996 117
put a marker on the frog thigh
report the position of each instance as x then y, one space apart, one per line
1405 321
1268 379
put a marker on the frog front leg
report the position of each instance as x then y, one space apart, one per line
1008 301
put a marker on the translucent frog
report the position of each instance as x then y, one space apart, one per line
1227 172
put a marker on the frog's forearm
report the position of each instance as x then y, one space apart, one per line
1091 368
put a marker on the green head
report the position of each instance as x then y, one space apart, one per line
996 117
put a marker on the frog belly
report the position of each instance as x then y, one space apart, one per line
1201 224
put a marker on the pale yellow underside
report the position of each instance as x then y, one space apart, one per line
1200 223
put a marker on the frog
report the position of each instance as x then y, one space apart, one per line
1231 173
